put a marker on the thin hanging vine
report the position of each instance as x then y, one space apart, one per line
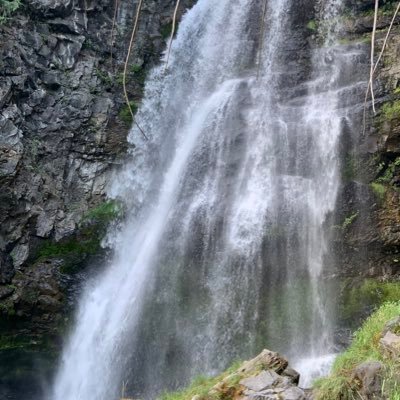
134 30
262 31
371 75
172 32
116 7
374 66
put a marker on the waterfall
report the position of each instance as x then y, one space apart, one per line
225 243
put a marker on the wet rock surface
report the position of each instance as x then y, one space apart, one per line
62 133
61 130
366 225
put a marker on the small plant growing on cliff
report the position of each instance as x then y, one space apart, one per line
7 7
125 114
392 110
349 220
312 25
379 190
389 172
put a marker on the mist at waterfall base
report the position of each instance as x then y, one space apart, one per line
223 249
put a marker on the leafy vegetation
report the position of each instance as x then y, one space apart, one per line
349 168
379 190
104 213
87 242
391 110
389 172
365 347
349 220
104 77
312 25
125 114
166 31
7 7
367 295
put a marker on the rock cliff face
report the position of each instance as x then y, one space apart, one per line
63 129
368 213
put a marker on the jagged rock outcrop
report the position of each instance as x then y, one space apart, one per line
367 239
265 377
63 121
63 129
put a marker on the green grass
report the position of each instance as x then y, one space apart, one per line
391 110
379 190
390 171
104 213
365 347
370 293
349 220
312 25
87 242
202 385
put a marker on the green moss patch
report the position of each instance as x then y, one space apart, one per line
357 299
7 8
379 190
312 25
74 250
365 347
391 110
125 113
104 213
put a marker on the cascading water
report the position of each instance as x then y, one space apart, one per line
223 250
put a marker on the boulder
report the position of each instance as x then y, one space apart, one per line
368 377
390 344
265 360
264 380
265 377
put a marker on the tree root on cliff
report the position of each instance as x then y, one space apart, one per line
374 66
134 30
116 7
262 31
172 32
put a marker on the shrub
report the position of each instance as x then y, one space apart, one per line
125 114
379 190
7 7
391 110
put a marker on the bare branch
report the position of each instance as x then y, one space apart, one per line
135 26
172 32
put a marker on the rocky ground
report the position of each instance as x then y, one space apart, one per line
266 377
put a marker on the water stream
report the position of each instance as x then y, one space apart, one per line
225 243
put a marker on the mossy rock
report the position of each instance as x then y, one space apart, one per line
86 242
362 297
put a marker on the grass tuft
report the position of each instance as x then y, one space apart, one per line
202 385
365 347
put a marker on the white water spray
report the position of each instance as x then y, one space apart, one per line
224 248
